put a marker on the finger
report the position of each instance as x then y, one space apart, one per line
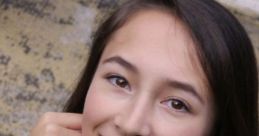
69 132
60 131
66 120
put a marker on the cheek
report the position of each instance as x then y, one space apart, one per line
192 126
179 129
97 109
92 114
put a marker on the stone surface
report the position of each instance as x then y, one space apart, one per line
43 47
243 5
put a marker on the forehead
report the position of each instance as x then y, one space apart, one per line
158 44
153 29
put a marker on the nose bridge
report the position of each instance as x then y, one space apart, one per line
135 118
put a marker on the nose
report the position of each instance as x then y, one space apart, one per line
134 120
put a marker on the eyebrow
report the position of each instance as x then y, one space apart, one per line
172 83
122 62
186 88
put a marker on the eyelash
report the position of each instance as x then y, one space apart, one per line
172 102
115 79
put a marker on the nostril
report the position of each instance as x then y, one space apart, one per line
127 127
117 121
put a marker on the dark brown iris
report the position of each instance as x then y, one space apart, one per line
122 83
177 105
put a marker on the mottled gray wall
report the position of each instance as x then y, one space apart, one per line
251 5
43 48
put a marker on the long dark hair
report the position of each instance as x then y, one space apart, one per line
224 50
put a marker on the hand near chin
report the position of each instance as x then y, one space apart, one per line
58 124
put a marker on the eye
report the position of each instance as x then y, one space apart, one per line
176 105
118 81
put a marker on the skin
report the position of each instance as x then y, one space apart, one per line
149 82
58 124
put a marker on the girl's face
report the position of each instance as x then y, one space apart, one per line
149 82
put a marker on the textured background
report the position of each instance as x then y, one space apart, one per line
43 48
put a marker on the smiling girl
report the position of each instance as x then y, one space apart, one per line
164 68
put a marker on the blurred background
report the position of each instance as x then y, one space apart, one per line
44 46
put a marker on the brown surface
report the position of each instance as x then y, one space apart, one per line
43 47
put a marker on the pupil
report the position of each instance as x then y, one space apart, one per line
177 105
121 82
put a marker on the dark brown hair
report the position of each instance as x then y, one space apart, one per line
224 50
